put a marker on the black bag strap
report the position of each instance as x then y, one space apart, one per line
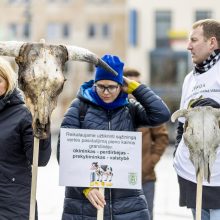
131 109
83 107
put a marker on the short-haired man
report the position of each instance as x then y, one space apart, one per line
203 85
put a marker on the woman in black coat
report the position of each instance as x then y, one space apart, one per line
16 147
109 109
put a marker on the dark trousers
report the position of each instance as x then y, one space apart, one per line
149 190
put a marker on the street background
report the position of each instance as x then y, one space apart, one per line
50 195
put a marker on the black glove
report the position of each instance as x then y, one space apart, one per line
178 136
206 102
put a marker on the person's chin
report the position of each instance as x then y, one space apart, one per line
107 101
194 60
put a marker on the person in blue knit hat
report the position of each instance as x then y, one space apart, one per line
116 64
108 108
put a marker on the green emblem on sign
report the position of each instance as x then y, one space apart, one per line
132 178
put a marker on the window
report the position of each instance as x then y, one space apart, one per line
99 31
168 68
58 31
13 1
105 30
91 31
133 27
59 1
66 30
53 31
13 30
20 31
98 1
26 31
163 25
203 15
18 1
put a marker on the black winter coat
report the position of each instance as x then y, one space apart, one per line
16 147
121 204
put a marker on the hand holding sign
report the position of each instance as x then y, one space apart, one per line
96 198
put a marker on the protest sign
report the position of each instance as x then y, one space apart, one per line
100 158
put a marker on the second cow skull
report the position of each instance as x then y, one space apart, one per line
201 135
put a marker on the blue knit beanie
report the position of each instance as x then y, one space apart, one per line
116 64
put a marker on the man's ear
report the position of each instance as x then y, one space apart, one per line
213 43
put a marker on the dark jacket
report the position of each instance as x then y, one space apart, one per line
16 146
122 204
154 142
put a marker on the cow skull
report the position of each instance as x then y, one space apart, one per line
201 135
40 75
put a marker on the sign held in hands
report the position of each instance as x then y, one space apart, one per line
100 158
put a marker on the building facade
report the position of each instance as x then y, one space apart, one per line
98 25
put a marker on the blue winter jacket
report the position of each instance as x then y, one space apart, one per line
121 204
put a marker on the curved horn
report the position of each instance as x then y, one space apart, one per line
10 48
178 113
82 54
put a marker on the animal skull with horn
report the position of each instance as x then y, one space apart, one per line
40 75
201 135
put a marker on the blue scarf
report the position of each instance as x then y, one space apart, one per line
88 91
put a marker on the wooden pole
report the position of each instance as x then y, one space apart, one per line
199 195
100 212
34 179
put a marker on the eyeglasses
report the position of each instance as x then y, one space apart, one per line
111 88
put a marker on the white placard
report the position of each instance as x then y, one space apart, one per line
100 158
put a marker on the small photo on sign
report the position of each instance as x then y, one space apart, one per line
101 175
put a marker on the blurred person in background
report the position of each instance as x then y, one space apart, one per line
154 142
201 87
16 146
110 109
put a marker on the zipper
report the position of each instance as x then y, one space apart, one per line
109 119
110 202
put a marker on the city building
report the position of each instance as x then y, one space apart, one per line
98 25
